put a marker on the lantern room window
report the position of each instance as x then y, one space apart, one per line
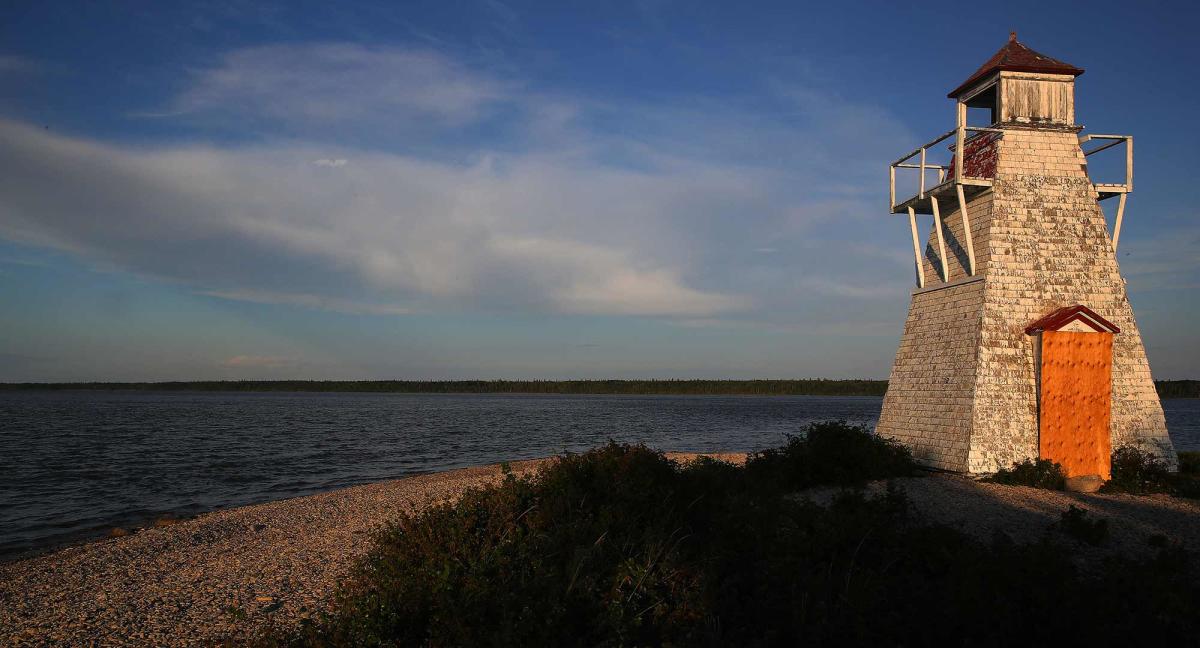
982 107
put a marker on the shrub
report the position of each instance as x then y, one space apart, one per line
1138 472
1040 473
1189 463
1186 485
619 546
1077 524
830 453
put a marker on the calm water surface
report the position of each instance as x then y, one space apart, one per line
75 464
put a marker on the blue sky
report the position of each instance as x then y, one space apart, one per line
490 190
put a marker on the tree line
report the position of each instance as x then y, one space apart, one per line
818 387
802 387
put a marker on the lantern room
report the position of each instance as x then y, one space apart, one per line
1020 86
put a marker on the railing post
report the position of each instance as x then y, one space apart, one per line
1129 163
891 188
960 137
922 194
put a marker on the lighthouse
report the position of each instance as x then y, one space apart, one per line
1020 342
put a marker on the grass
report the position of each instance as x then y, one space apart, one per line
620 546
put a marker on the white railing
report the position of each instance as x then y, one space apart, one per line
1119 189
924 166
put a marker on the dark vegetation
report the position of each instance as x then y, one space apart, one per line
807 387
619 546
1134 471
1141 473
1079 525
1039 473
814 387
1178 388
829 454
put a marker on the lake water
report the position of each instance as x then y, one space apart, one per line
75 464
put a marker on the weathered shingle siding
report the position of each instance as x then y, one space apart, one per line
963 390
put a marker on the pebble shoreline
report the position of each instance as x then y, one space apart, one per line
229 575
222 576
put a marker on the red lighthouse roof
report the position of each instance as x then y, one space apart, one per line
1016 57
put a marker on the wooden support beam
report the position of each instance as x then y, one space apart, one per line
912 223
962 208
1120 217
937 225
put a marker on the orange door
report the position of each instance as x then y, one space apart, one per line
1076 401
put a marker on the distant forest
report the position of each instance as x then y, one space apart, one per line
813 387
1178 388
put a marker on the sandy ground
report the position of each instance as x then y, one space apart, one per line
232 573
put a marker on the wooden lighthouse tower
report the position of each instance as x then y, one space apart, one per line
1020 342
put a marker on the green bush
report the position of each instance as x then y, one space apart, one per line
1138 472
830 453
1040 473
1141 473
619 546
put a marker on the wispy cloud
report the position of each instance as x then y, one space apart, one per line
865 290
13 64
1166 260
318 302
257 362
306 83
396 227
665 215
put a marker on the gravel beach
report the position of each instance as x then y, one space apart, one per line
229 574
220 576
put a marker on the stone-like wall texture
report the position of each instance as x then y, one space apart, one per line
930 391
963 390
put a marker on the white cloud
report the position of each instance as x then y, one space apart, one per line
663 214
339 82
318 302
872 290
232 222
